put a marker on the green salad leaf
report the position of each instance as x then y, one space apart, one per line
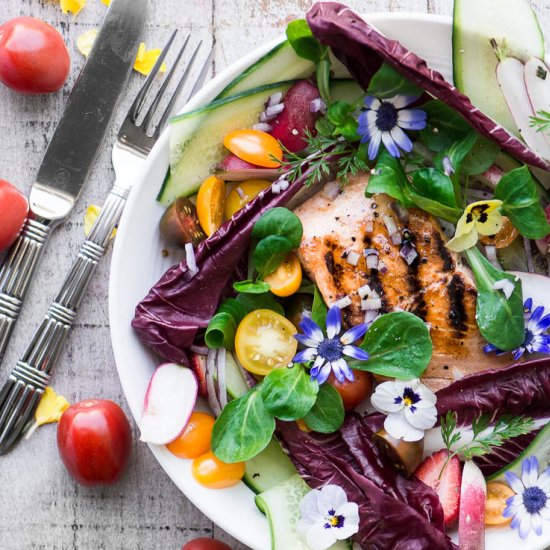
279 221
444 126
500 320
260 301
387 82
289 393
251 287
303 42
269 254
390 178
243 429
222 328
399 346
319 309
521 203
327 414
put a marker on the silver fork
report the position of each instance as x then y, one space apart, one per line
26 384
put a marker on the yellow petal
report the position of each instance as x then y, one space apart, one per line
92 212
146 59
85 42
106 2
50 408
73 6
459 243
493 225
491 205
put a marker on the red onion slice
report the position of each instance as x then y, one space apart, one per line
408 253
353 257
222 387
190 259
262 127
274 99
364 290
491 253
372 304
210 367
506 286
342 302
200 350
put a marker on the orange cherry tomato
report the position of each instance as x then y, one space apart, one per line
505 237
211 472
287 278
497 493
353 393
196 438
211 204
255 147
242 193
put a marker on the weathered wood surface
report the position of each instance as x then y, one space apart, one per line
40 506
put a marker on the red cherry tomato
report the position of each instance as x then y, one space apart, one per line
353 393
204 543
33 56
13 211
94 440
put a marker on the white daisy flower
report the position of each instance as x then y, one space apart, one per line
410 407
531 504
326 517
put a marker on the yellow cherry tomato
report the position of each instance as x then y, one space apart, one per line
255 147
497 493
211 204
196 438
287 278
265 341
211 472
242 193
505 237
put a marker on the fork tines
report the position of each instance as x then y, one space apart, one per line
145 139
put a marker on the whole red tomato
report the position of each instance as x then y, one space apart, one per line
13 212
353 393
204 543
33 56
94 440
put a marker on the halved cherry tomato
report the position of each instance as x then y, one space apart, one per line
254 146
210 204
14 208
242 193
211 472
287 278
265 341
353 393
180 224
196 438
505 237
497 493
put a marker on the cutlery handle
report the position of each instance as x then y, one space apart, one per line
45 346
16 274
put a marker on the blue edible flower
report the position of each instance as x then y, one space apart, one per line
384 120
327 352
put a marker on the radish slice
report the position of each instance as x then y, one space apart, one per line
471 522
537 81
510 76
169 401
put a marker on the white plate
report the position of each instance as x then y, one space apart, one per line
137 264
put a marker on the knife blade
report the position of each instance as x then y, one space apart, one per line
72 150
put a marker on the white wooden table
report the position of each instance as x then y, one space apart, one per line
40 505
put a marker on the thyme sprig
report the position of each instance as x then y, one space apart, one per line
540 121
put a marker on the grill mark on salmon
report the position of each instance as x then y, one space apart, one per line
435 286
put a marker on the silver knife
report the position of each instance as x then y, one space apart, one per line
72 150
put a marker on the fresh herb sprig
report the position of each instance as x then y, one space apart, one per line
484 437
541 121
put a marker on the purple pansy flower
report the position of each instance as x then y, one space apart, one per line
327 352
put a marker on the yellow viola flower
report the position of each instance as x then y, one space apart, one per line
106 2
74 6
90 216
50 409
146 59
479 218
85 42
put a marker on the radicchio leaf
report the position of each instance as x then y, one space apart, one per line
362 50
394 512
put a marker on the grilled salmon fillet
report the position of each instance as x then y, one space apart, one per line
435 286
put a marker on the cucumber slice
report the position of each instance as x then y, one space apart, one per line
196 137
345 89
234 379
539 447
511 23
281 505
269 468
279 64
